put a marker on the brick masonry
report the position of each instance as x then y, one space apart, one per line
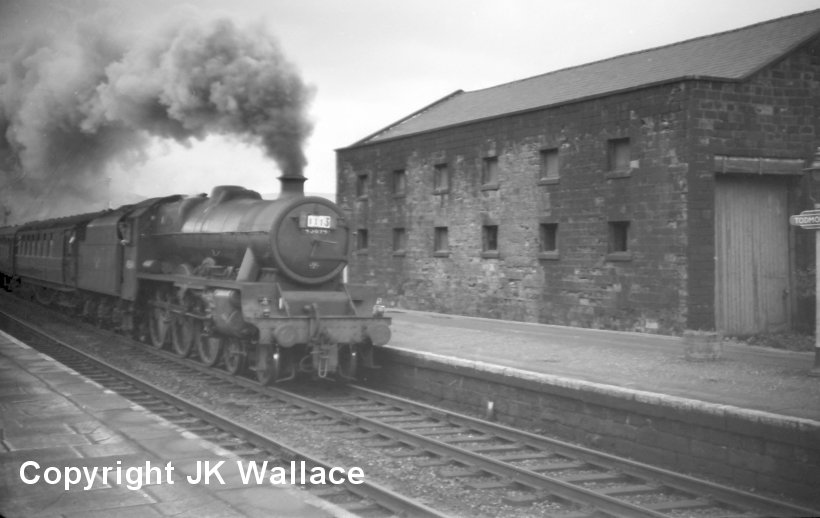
666 281
773 454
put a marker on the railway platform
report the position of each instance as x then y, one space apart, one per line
750 379
52 419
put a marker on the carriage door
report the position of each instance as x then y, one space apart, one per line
127 233
752 254
70 257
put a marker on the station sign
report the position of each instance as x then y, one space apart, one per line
808 219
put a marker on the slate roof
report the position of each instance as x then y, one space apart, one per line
733 55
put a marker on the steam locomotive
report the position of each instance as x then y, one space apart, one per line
247 282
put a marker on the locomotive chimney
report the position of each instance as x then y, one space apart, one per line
292 186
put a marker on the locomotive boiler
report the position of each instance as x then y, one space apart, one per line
236 279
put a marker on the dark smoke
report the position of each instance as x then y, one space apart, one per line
74 101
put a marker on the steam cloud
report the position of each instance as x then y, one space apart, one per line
71 104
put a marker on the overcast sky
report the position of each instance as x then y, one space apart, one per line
373 62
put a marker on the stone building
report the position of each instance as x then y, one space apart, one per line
650 191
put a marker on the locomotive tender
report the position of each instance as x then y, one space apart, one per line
249 282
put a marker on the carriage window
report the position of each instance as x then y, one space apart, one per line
124 232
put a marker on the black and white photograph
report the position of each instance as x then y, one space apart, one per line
363 258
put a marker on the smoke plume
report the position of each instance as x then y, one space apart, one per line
75 100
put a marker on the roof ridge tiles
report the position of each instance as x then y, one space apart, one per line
732 55
646 51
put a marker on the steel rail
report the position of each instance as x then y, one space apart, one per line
576 494
536 481
719 492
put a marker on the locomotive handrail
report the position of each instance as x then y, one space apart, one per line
178 310
329 258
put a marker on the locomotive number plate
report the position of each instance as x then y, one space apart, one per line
314 221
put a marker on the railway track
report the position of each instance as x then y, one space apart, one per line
493 456
531 473
366 498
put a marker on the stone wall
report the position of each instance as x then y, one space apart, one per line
665 280
581 283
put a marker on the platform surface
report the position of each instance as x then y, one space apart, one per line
754 378
53 416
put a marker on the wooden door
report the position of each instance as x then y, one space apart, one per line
752 254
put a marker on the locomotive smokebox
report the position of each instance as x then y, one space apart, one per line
304 238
